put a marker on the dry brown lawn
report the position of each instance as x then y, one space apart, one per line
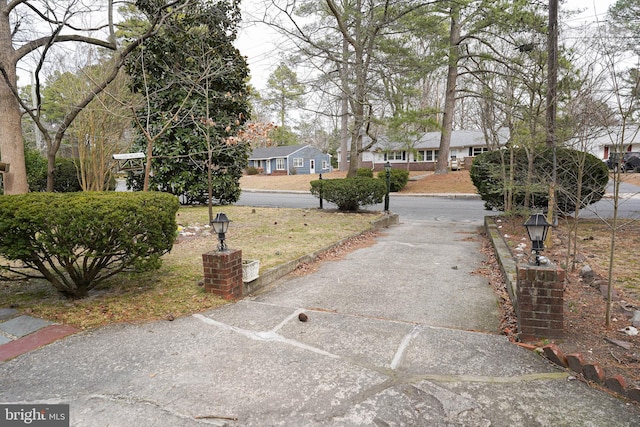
630 178
457 182
420 182
273 236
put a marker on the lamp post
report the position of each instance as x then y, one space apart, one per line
537 228
321 195
387 171
220 226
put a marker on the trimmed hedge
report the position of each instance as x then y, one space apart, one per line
78 240
398 179
487 171
364 173
350 194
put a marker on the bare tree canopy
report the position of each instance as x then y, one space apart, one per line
31 34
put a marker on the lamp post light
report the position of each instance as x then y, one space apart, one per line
387 171
537 228
220 226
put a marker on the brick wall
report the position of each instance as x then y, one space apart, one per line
540 308
223 273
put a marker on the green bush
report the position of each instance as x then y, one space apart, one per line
364 173
350 194
397 180
36 165
78 240
65 175
487 176
251 170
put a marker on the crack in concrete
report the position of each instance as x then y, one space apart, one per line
394 378
265 336
130 400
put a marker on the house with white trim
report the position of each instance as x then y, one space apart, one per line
610 141
290 160
423 154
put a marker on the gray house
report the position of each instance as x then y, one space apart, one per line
290 159
422 155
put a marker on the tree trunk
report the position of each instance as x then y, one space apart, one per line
551 109
442 166
51 168
344 106
147 165
11 142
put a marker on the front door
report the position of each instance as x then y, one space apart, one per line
312 166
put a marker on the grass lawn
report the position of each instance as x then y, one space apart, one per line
274 236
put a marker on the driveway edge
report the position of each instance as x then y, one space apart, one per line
269 276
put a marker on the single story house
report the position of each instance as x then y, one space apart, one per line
423 153
290 159
610 140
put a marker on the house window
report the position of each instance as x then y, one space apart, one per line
325 165
298 162
427 155
396 155
474 151
280 164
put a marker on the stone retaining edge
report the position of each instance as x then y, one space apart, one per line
505 259
269 276
592 372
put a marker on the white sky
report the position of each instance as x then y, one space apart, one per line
263 46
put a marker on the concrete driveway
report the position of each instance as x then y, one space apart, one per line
398 334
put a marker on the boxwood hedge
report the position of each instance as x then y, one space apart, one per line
487 176
349 194
398 179
78 240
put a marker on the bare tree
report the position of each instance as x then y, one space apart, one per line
22 37
344 37
614 58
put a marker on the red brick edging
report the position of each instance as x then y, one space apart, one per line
36 340
592 372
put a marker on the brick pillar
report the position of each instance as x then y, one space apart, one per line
223 273
540 307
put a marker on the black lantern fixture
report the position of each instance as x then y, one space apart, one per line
220 226
537 227
387 171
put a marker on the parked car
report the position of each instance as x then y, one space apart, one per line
629 161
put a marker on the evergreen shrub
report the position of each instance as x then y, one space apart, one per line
78 240
364 173
349 194
398 179
487 174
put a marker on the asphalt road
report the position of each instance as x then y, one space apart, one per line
438 208
412 207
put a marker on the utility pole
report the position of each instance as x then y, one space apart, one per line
552 101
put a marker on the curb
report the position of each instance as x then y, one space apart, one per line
443 195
